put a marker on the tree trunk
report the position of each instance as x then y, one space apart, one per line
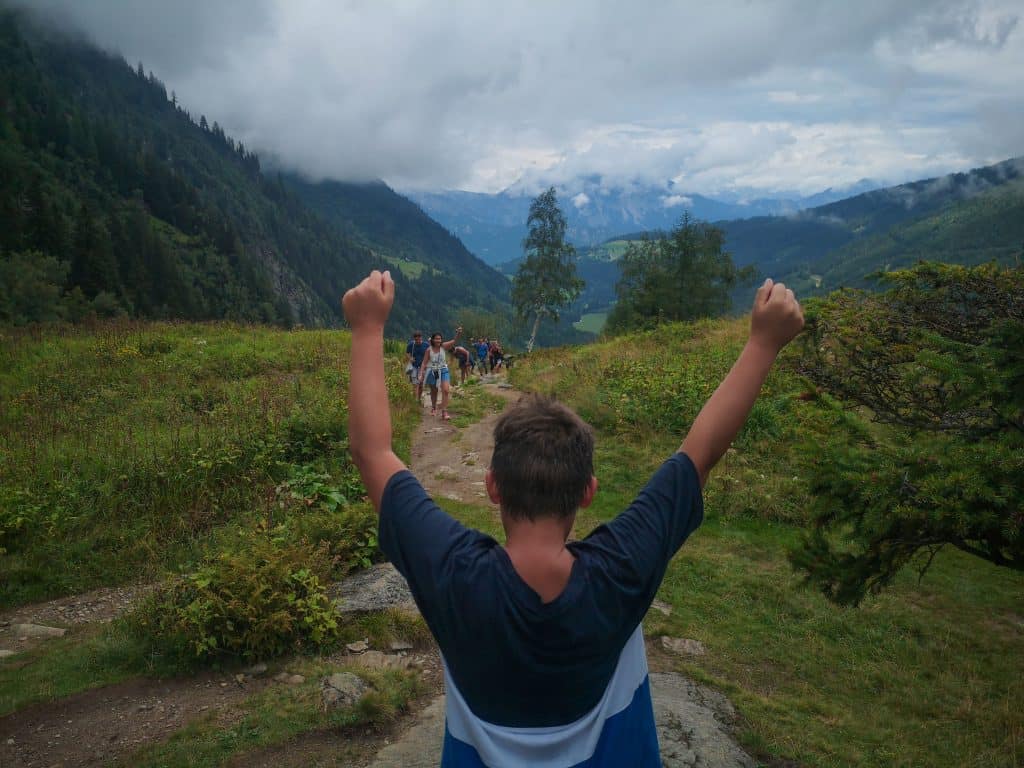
533 334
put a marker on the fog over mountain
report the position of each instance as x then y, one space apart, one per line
733 101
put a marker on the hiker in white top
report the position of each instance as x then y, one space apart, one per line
434 371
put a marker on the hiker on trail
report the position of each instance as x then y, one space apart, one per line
541 641
483 346
496 355
414 352
434 371
465 363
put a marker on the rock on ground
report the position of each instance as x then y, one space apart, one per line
342 689
694 725
37 630
376 589
683 646
693 729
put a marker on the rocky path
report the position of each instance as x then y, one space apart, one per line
102 726
450 462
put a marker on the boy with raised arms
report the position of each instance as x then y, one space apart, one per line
544 659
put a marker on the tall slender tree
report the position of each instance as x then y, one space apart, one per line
546 281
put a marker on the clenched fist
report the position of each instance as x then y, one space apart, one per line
368 305
776 318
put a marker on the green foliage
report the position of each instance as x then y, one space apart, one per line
30 288
939 355
443 276
258 602
546 280
684 275
323 514
128 449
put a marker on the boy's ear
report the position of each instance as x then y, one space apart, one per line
492 488
589 491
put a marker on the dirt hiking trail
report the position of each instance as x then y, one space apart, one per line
105 726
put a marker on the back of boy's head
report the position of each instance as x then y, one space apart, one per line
543 459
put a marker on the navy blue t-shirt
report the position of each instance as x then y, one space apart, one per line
417 351
503 646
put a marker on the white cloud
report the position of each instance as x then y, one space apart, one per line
673 201
784 94
581 201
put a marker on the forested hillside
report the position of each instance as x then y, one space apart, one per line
962 216
114 199
394 226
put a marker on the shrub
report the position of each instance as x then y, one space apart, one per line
261 601
321 514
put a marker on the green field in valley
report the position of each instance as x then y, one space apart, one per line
592 322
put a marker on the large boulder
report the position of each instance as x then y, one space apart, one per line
377 588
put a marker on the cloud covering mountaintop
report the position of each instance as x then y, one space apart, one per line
769 96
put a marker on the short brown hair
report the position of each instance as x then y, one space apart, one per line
543 458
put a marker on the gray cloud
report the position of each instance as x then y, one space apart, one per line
780 95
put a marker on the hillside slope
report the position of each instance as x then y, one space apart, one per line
810 241
397 228
114 199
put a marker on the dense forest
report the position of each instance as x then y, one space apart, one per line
116 200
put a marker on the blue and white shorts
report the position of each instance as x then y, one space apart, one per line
435 377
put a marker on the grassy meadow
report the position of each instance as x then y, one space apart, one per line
592 322
929 673
132 451
127 450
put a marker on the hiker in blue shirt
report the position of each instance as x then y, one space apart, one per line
414 352
541 642
482 346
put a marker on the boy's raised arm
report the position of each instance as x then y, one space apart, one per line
366 308
774 321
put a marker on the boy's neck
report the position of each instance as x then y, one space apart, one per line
538 553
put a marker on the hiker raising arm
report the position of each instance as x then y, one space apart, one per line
774 321
366 309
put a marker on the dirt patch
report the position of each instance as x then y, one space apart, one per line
98 606
451 463
95 727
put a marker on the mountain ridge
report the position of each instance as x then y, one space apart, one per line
116 200
493 225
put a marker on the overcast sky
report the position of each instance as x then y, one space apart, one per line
784 95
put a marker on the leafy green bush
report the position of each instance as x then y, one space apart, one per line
260 601
322 514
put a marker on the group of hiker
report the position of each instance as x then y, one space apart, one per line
427 364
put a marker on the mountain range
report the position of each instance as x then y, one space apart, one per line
493 225
962 218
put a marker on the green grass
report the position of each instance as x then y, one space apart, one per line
592 322
610 251
471 402
411 269
128 449
927 674
85 658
